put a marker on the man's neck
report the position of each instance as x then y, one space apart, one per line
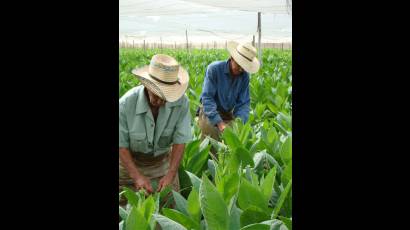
154 109
230 70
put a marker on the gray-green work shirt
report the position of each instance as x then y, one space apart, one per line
139 133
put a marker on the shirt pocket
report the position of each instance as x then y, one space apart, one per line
138 142
166 138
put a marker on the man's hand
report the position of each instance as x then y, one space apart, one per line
142 182
221 126
166 180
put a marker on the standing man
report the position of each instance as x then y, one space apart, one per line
225 92
154 125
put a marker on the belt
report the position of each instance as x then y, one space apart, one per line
148 159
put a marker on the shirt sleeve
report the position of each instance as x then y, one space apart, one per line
182 132
124 141
208 94
242 107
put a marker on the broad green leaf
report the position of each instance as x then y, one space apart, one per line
181 218
165 192
255 181
122 225
282 198
272 135
123 213
168 224
259 109
287 174
211 167
253 215
250 195
148 208
286 221
204 144
272 108
278 225
181 203
194 209
286 151
213 206
196 182
243 137
190 150
131 196
256 227
184 182
284 120
278 101
234 218
267 185
219 146
198 160
231 139
282 89
231 186
244 156
264 160
135 220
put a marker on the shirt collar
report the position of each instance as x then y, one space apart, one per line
142 102
226 67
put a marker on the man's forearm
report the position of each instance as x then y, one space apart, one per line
127 161
176 157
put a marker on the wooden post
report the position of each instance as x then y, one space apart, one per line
175 45
259 38
186 35
226 45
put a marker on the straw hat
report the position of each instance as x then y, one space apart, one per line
164 77
244 55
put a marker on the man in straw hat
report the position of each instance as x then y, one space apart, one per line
225 92
154 125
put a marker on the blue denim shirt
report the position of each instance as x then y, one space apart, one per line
221 92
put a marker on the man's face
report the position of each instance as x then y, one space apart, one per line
235 68
155 100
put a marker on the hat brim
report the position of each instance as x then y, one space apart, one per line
170 93
248 66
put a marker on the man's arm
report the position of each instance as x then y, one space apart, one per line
182 135
176 157
140 181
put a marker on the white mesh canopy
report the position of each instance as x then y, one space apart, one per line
205 20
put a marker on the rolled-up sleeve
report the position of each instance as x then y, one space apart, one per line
242 107
124 141
208 94
182 132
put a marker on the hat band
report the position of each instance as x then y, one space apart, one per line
243 55
164 82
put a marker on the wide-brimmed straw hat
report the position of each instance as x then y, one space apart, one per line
164 77
245 55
